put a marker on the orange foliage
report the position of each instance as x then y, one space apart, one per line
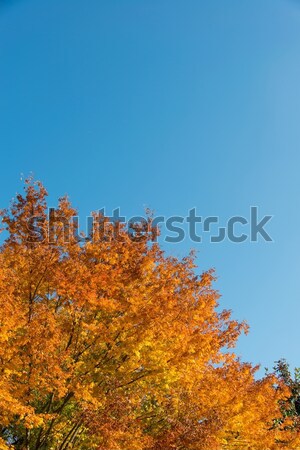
112 345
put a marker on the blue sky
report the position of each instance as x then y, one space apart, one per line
173 105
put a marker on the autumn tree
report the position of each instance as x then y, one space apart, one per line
107 343
289 421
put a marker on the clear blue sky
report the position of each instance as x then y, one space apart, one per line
170 104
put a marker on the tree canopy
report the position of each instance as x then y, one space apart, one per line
110 344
